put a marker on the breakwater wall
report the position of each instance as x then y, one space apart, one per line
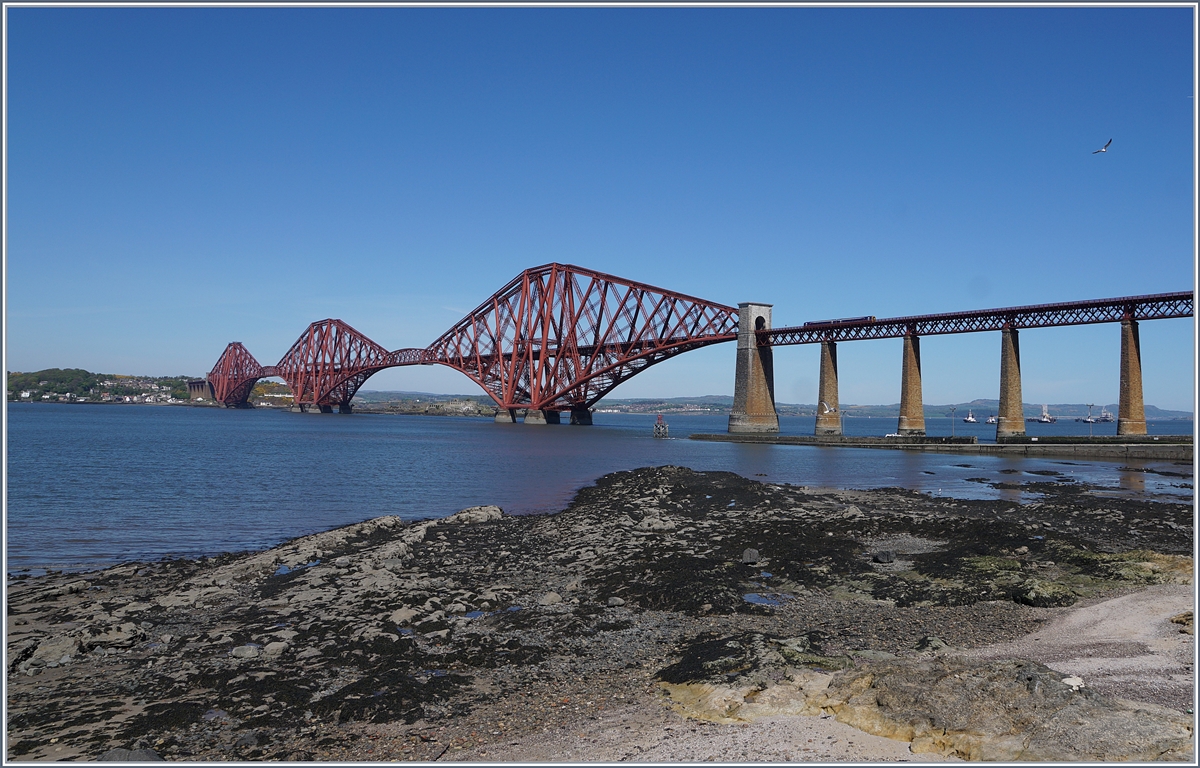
1166 447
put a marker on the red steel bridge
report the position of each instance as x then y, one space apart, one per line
560 337
556 338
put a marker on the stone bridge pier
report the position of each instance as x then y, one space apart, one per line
912 408
829 413
1131 410
754 381
1010 422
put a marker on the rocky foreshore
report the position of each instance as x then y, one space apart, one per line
658 593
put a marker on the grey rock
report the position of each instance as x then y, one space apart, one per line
750 556
403 615
615 602
247 740
245 652
550 598
275 649
931 644
122 755
475 515
654 524
884 556
58 650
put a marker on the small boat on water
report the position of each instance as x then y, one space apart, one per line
1087 419
970 418
1105 416
991 419
1045 418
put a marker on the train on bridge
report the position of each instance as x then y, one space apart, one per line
558 338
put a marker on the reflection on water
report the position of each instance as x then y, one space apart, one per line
1008 493
90 485
1131 480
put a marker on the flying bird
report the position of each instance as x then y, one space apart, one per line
1103 149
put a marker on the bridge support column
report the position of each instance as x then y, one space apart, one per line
829 415
581 417
345 408
535 416
506 416
1010 422
326 408
1131 411
912 408
754 381
299 408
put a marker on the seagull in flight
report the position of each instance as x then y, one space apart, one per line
1103 149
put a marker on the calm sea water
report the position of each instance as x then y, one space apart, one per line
89 486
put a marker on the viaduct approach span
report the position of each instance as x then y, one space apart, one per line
558 338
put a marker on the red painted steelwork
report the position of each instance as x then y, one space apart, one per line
561 337
329 362
234 375
1157 306
557 337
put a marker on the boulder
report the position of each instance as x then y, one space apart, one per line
275 649
403 615
1043 594
931 644
56 650
550 598
473 515
245 652
750 556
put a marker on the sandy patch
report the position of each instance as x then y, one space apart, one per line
1125 647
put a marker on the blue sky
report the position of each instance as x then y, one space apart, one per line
179 178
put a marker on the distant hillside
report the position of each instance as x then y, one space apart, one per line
389 396
981 407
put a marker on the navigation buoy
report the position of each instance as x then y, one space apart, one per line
660 427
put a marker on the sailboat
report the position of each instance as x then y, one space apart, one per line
970 418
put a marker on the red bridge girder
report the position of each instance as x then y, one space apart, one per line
561 337
329 362
557 337
234 375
